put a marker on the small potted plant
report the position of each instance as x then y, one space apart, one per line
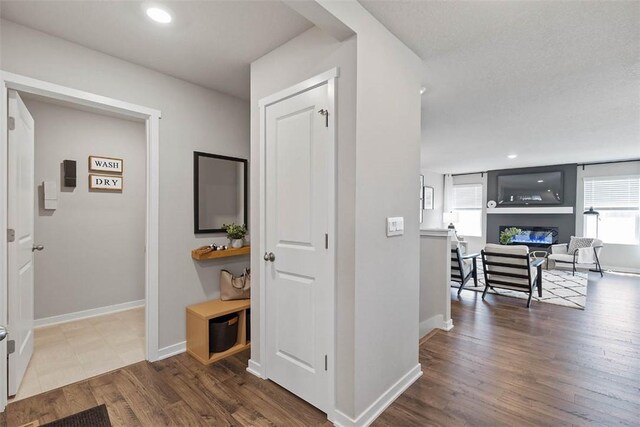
507 235
235 233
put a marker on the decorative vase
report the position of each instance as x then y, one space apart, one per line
237 243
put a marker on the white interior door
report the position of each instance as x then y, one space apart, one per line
298 279
21 205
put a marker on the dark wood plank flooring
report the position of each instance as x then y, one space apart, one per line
501 365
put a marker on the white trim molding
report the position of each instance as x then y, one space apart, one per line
532 210
172 350
435 322
255 368
85 314
370 414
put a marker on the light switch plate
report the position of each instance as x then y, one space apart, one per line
395 226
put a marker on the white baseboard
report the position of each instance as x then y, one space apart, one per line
621 269
172 350
255 368
100 311
435 322
388 397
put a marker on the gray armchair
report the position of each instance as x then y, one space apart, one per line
580 252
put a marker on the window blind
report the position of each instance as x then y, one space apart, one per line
619 192
467 196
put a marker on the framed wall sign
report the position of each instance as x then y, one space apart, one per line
428 197
105 164
105 182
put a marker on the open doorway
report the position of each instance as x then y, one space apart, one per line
20 341
88 245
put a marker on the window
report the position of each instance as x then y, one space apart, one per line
617 199
467 205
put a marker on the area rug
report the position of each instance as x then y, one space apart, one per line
94 417
559 287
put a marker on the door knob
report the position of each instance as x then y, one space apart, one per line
3 333
37 248
269 256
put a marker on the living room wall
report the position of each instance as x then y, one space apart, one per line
564 222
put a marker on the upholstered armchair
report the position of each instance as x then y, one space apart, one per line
580 252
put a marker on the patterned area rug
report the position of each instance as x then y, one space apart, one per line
559 287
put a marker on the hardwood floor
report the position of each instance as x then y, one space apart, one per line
501 365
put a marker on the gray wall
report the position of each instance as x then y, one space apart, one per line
378 166
94 241
193 119
565 222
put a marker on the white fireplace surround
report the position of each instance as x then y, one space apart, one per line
532 210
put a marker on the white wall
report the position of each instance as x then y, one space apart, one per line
476 244
616 257
387 167
307 55
193 119
94 241
378 163
433 217
435 280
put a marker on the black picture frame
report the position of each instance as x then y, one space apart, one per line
196 190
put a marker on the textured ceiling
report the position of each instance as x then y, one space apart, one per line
210 43
554 82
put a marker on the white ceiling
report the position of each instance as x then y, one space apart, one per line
554 82
210 43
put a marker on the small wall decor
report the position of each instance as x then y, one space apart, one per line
105 182
428 197
105 164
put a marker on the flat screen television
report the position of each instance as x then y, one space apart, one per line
531 189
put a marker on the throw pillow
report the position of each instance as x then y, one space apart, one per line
578 243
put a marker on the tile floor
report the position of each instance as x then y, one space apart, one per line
74 351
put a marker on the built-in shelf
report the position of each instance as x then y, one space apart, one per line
220 254
532 210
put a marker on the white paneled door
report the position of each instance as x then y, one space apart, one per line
21 206
298 280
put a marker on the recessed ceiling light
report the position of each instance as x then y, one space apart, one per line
541 180
159 15
512 156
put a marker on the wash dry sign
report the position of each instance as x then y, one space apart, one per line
105 164
105 182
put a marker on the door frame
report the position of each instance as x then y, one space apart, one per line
329 78
151 118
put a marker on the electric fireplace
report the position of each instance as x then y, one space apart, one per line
534 236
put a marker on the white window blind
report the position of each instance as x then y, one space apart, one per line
467 196
619 193
467 204
617 199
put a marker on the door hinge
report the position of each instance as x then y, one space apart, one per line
326 241
11 347
12 123
325 362
11 235
325 113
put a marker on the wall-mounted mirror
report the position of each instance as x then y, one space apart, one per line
220 192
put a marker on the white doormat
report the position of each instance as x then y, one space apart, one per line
559 287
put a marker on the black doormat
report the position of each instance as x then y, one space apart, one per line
94 417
